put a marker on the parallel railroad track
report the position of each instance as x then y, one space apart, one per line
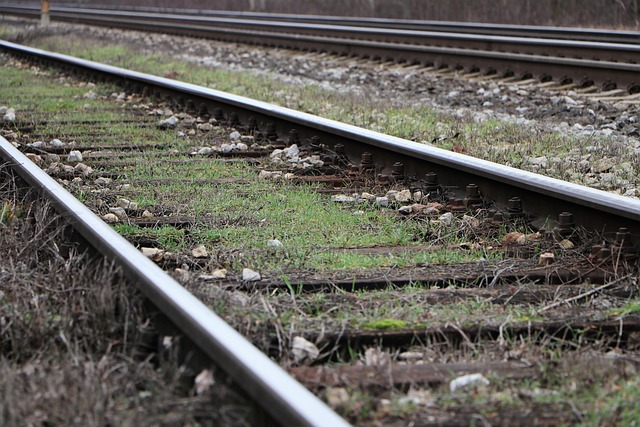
584 34
357 160
568 61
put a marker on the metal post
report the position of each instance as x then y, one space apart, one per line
45 18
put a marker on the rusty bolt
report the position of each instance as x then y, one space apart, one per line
457 205
514 208
339 149
565 220
397 171
432 182
498 217
271 132
366 158
218 114
473 196
565 225
190 107
514 205
233 119
366 162
293 137
252 123
203 110
316 145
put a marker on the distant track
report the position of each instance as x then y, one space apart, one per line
568 56
566 33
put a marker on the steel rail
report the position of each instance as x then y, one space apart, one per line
569 48
286 400
568 33
542 196
582 71
618 64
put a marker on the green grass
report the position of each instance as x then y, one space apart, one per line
501 142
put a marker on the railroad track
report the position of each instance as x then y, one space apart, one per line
570 62
586 236
584 34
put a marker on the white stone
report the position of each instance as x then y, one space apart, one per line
102 181
446 218
249 275
205 127
302 349
74 156
227 148
9 117
403 196
119 212
36 144
411 355
171 122
199 251
270 174
275 243
126 204
234 136
110 218
56 143
291 151
337 396
83 169
276 153
405 210
547 258
341 198
154 254
203 382
466 381
241 146
205 151
147 215
382 201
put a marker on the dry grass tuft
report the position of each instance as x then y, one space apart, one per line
70 328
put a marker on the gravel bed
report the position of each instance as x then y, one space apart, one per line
599 140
